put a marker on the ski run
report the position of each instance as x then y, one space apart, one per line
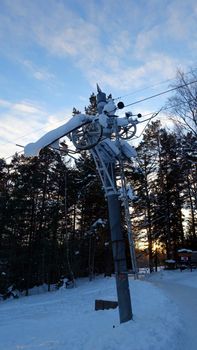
164 308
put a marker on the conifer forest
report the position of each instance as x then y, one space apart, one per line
53 212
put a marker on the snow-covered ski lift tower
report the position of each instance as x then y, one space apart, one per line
105 136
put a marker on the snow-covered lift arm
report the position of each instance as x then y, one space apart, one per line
86 131
33 149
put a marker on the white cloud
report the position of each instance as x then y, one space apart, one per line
77 39
146 39
25 122
114 43
181 20
106 41
38 73
129 78
19 119
26 108
4 104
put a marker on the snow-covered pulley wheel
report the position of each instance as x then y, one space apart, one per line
128 132
87 136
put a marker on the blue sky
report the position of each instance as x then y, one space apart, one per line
53 52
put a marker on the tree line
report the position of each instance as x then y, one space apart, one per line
53 221
53 212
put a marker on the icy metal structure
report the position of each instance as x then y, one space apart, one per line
105 136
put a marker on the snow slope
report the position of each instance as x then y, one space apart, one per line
65 319
181 287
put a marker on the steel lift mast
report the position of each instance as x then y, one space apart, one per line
105 136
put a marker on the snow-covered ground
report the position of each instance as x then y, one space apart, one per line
181 287
66 320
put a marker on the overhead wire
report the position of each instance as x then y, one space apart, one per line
117 98
163 109
139 101
169 107
161 93
153 86
148 121
143 89
153 115
155 95
68 153
130 104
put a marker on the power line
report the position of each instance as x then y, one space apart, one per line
133 103
153 115
117 98
170 107
148 121
161 93
152 86
139 101
143 89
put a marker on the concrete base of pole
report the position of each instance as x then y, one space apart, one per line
118 246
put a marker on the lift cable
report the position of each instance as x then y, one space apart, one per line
153 86
130 104
161 93
153 115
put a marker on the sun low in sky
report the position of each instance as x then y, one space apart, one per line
53 52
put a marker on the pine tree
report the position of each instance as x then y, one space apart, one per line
144 185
